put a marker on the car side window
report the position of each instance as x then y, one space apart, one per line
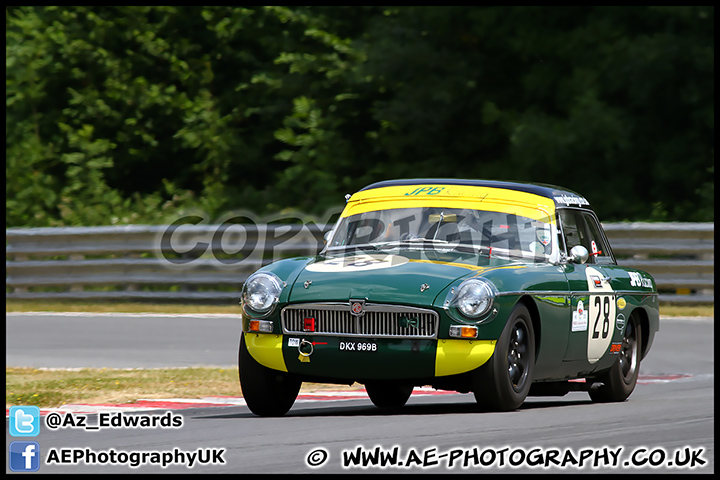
598 247
581 228
572 229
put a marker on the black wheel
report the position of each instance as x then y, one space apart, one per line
619 382
267 392
388 395
503 382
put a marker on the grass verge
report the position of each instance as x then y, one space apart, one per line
53 388
47 388
15 305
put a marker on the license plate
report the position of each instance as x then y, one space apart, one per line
358 346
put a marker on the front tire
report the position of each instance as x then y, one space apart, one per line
503 382
267 392
619 382
388 395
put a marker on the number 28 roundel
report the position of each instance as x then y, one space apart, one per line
602 315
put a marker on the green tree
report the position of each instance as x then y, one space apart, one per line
614 102
137 114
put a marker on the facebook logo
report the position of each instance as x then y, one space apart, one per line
24 456
24 421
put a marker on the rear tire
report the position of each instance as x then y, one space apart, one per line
503 382
388 395
267 392
619 382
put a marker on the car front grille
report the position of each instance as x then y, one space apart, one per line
377 320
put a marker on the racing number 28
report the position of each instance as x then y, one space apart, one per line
602 302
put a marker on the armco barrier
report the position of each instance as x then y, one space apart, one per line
680 256
210 262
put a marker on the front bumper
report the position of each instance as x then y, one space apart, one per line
361 359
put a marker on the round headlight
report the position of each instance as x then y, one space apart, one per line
474 297
261 291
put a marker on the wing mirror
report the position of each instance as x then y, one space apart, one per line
578 254
326 237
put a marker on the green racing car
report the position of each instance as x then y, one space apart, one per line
501 289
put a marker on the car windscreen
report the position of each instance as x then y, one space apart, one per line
487 232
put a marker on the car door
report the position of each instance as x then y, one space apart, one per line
592 298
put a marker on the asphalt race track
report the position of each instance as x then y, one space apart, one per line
667 425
